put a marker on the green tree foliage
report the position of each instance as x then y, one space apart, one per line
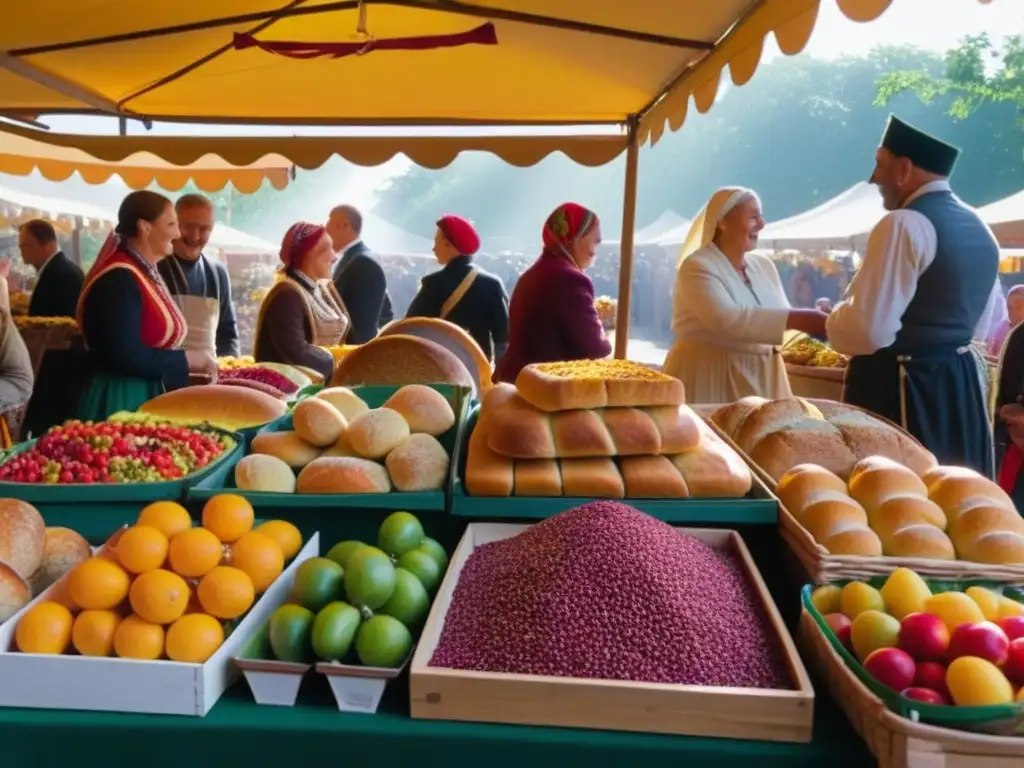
804 130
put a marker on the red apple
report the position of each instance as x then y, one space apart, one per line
1013 626
891 667
1014 666
984 640
931 674
840 626
925 695
924 636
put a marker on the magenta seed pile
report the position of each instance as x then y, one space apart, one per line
604 591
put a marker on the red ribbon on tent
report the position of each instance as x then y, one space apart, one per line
485 34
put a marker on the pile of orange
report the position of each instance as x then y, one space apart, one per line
164 588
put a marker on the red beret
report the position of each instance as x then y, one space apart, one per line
460 233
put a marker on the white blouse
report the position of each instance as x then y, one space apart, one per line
713 305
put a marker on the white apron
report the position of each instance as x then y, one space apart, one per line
202 314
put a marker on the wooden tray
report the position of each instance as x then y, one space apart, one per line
896 741
736 713
814 382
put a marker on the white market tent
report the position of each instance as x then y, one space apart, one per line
1006 217
18 207
674 237
667 221
230 240
842 223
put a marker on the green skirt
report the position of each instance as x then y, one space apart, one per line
108 393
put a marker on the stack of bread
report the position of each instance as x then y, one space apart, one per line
777 435
32 556
339 445
950 513
597 429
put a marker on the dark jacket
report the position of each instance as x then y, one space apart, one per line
482 312
57 289
1009 390
208 279
551 317
360 281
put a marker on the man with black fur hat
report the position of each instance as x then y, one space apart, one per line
929 273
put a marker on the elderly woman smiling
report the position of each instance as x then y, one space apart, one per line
303 312
729 308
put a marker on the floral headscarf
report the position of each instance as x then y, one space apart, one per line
301 238
567 224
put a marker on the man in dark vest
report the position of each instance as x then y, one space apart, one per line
929 272
358 277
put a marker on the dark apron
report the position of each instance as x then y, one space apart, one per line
937 394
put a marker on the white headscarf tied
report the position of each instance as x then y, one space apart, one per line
704 226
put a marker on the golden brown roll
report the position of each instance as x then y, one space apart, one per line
652 477
981 518
996 548
875 483
853 541
318 422
829 516
424 409
901 511
596 478
537 477
951 486
487 473
798 486
343 474
287 446
15 593
22 537
260 472
348 403
64 550
924 541
418 464
376 433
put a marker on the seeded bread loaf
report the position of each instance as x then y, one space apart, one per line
399 360
596 384
519 430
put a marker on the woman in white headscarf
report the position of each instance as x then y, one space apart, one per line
729 310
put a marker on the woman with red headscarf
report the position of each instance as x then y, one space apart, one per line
551 314
303 312
133 329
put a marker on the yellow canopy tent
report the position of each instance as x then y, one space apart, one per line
633 64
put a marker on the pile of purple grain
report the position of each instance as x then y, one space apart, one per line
604 591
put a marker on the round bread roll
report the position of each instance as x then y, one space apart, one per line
399 360
343 474
996 548
348 403
419 464
950 488
803 482
221 406
15 593
64 549
318 422
287 446
925 541
825 517
424 409
376 433
22 537
861 542
341 448
981 518
901 511
451 337
875 484
264 473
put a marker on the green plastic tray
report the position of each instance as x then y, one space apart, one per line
116 493
753 509
374 396
1002 719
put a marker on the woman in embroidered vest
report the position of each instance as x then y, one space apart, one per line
132 327
552 315
303 312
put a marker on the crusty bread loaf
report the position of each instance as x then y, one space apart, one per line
64 550
15 593
862 542
950 487
343 474
487 473
875 484
318 422
898 512
827 516
596 384
980 519
802 484
714 470
22 537
399 360
264 473
376 433
996 548
451 337
424 409
810 440
773 416
420 463
537 477
287 446
868 436
652 477
348 403
519 430
225 407
591 478
924 541
729 417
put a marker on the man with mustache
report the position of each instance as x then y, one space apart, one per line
200 286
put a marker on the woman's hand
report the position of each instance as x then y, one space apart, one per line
202 363
809 321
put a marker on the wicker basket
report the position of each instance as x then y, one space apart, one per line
896 741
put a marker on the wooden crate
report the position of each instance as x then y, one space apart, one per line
896 741
737 713
813 382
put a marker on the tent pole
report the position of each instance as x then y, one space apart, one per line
626 241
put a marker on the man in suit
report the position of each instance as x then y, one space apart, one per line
358 276
58 279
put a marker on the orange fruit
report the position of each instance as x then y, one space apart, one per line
159 596
93 632
135 638
46 628
194 638
98 584
285 534
194 553
260 557
226 592
141 548
228 516
168 517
